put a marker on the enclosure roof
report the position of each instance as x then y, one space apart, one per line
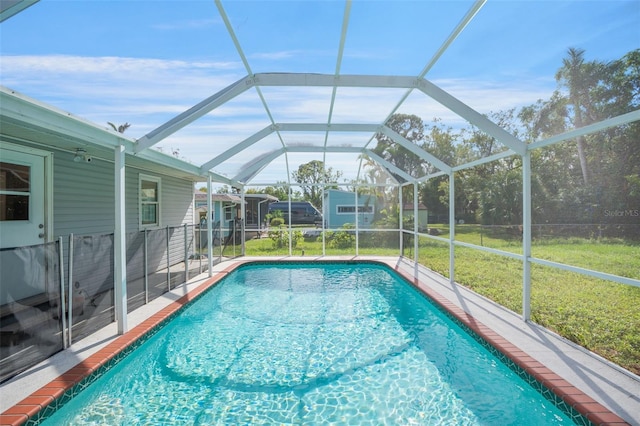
247 92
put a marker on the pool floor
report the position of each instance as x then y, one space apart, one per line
50 394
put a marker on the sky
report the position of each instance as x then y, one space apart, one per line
144 62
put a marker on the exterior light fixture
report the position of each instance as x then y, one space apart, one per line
82 156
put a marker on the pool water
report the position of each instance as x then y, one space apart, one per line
310 344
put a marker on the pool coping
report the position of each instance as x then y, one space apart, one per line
43 401
573 397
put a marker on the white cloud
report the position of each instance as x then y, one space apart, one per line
487 96
107 65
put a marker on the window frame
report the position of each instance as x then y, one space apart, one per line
229 209
158 203
362 209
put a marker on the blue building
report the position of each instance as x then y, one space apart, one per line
340 208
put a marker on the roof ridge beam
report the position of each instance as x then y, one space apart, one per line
330 80
323 148
321 127
287 127
380 81
194 113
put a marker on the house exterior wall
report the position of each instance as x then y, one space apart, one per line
83 205
83 197
335 199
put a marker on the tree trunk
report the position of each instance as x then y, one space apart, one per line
580 142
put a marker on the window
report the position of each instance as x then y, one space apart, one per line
346 209
365 209
149 202
228 211
352 209
15 186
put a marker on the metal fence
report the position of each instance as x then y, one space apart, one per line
54 294
31 320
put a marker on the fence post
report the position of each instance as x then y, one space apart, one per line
168 263
71 247
526 236
65 343
452 227
400 215
210 225
199 240
146 270
357 222
416 223
186 254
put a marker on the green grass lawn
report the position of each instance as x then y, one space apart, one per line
599 315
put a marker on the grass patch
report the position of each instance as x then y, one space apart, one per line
613 257
599 315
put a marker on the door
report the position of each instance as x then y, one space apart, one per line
22 198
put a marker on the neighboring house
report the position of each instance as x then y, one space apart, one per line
423 215
340 208
225 207
228 207
256 209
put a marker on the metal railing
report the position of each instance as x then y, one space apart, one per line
54 294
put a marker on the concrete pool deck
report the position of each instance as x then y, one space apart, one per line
600 390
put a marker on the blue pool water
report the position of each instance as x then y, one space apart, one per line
310 344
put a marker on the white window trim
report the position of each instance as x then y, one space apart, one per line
229 210
157 180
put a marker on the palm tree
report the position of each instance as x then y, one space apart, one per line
573 74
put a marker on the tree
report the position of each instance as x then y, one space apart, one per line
440 141
578 182
411 128
580 78
310 176
281 192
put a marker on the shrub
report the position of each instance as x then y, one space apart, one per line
342 239
277 222
280 237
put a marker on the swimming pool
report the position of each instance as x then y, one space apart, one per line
310 344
